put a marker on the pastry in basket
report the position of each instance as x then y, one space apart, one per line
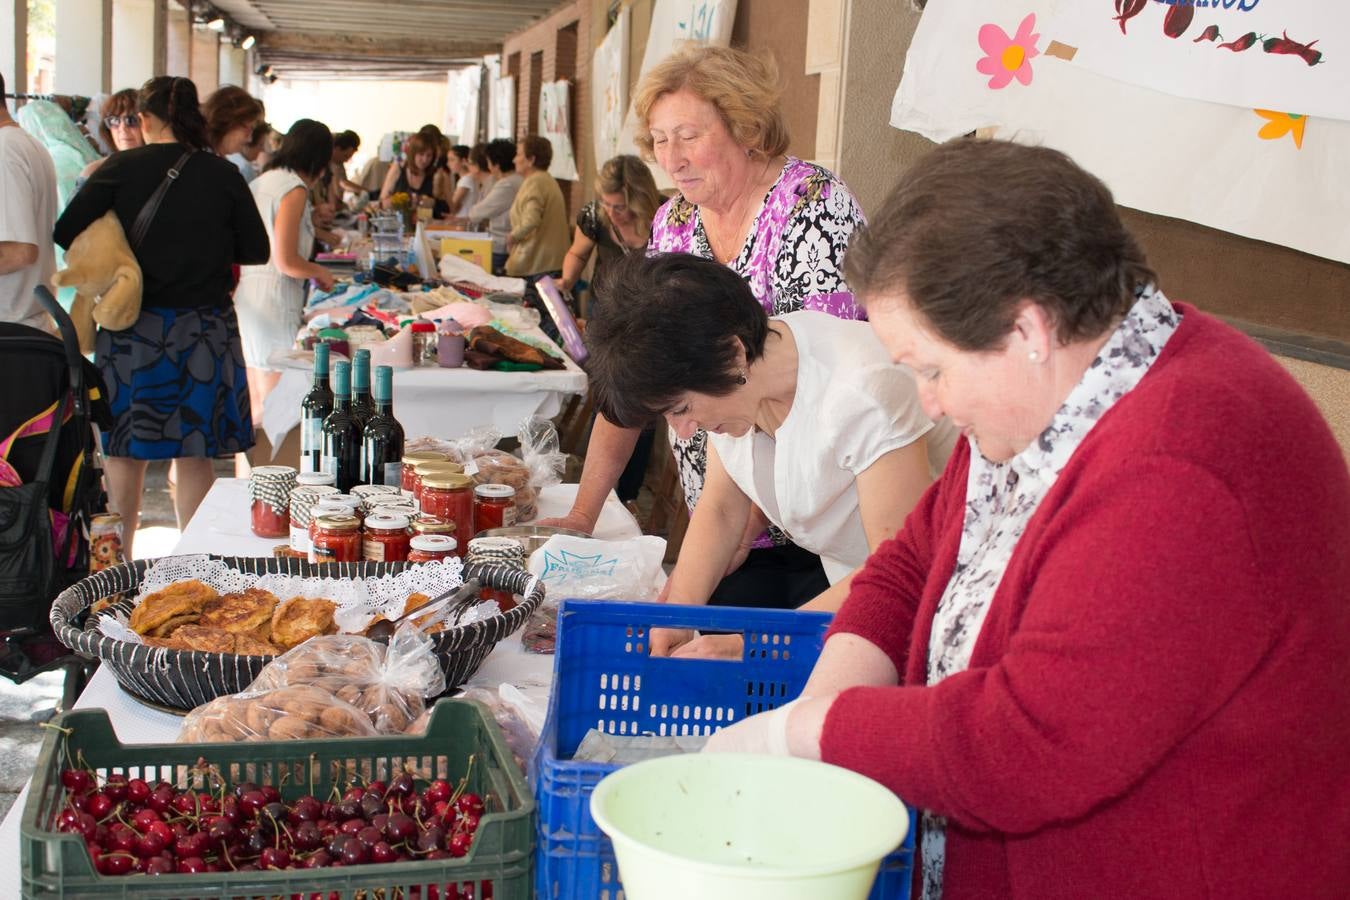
247 613
200 637
299 619
251 645
178 604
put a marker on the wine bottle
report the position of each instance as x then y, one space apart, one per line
342 433
382 436
314 408
362 407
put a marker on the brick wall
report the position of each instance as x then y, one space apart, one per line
557 47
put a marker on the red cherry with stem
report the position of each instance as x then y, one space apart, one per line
188 804
250 802
138 791
370 836
149 845
158 865
378 788
162 831
117 863
438 791
274 858
443 810
192 865
77 781
179 829
307 836
400 827
121 838
381 852
430 838
319 859
469 822
469 803
87 826
116 787
352 826
243 788
161 799
354 794
402 784
306 809
271 793
354 853
460 842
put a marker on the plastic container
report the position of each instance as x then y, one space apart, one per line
603 678
734 826
57 865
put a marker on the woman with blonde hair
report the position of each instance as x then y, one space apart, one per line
711 118
619 222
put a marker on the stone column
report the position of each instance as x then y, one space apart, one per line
80 28
133 43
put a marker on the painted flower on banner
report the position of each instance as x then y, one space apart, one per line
1008 57
1278 124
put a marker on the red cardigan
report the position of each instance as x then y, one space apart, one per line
1158 704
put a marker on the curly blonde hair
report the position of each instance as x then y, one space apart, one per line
630 176
742 86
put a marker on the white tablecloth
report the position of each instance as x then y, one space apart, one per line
443 403
221 525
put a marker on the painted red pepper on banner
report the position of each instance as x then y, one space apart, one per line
1209 34
1294 48
1128 9
1178 20
1246 42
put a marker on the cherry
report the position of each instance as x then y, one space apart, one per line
370 836
371 805
192 865
354 853
68 819
377 787
438 791
255 840
138 791
161 830
381 852
307 836
354 794
329 812
243 788
114 863
469 803
187 803
190 845
100 805
250 802
411 804
230 809
161 798
77 781
352 826
121 838
339 843
430 838
318 860
149 845
438 853
380 821
274 858
179 829
272 814
144 818
400 827
469 822
222 831
460 842
306 809
158 865
442 810
271 793
116 787
402 785
349 809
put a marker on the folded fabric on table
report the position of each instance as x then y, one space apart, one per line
488 341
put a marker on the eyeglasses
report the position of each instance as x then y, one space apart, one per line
130 121
614 207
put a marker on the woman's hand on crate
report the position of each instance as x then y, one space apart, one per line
665 641
713 646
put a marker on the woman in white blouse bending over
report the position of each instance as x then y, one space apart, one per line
808 418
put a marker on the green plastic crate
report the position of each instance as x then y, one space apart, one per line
58 865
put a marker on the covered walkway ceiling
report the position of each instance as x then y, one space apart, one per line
378 38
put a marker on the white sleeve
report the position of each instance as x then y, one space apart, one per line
876 413
18 215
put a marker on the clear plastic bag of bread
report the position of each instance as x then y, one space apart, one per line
539 465
375 690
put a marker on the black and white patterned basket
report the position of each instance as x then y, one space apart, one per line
185 679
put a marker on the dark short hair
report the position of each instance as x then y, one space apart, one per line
478 156
976 226
347 140
460 150
538 148
502 153
121 103
672 323
229 108
306 149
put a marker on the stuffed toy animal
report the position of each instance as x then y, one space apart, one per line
106 277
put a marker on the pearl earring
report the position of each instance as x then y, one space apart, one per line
1034 356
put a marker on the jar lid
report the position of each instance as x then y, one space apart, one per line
273 473
325 506
495 491
387 521
337 522
434 543
389 501
447 481
315 479
437 466
414 457
433 525
496 547
344 499
366 491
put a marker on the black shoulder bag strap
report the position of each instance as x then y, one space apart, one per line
151 207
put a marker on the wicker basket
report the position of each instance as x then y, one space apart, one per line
185 679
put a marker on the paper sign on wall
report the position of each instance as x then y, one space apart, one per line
609 88
555 124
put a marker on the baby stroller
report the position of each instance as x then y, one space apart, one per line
50 488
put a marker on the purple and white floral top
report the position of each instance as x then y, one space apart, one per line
793 258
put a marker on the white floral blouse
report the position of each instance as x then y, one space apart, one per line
1002 497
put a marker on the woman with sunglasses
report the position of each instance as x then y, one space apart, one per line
616 224
119 126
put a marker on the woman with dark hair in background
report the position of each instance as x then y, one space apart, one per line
416 175
270 298
538 239
119 125
175 378
474 179
231 114
495 207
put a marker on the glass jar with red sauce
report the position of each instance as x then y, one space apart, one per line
436 467
386 537
494 506
450 497
410 461
334 537
269 488
431 548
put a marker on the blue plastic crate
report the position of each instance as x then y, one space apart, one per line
603 678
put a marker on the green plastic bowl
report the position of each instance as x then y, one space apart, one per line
732 826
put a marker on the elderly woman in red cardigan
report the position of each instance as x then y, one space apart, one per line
1108 655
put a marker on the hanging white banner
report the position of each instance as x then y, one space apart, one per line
609 88
1266 174
555 124
503 109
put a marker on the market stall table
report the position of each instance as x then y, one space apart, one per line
442 403
221 525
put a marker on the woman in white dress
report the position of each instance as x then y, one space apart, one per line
270 298
808 420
